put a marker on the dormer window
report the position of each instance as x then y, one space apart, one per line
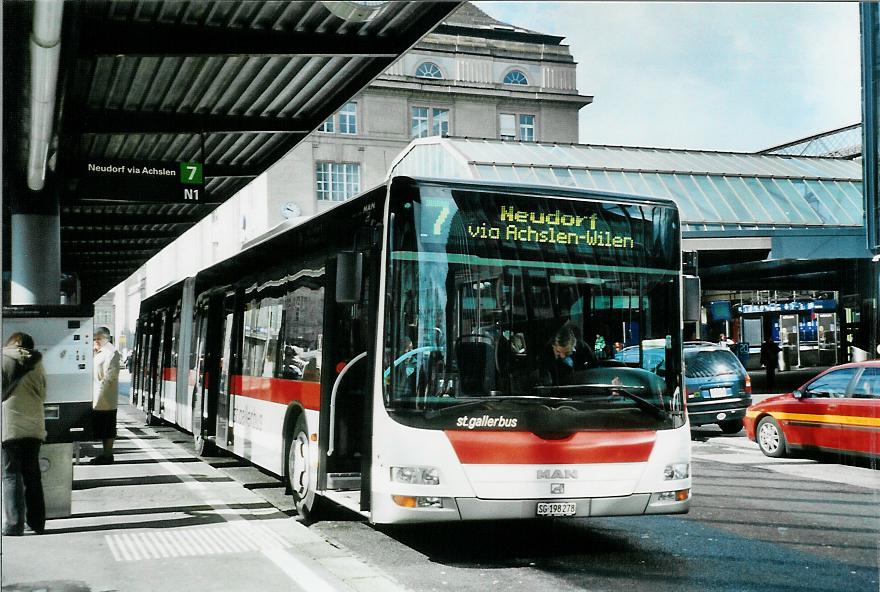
515 77
428 70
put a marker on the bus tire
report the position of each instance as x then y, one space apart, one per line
150 419
299 479
203 446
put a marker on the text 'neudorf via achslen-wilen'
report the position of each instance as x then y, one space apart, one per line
550 227
131 170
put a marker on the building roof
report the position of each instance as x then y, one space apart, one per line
713 190
844 142
469 15
470 20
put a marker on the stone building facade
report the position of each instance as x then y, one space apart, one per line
472 76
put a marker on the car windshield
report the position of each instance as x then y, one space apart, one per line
509 307
699 363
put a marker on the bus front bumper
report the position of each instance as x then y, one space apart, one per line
471 508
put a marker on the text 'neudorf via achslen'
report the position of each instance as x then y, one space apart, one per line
132 170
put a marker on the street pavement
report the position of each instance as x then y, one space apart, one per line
161 519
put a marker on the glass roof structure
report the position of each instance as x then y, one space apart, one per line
845 142
713 190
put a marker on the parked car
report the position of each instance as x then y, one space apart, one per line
837 411
719 389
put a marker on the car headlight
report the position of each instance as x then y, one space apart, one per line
677 471
416 475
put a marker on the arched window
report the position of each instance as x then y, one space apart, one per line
428 70
515 77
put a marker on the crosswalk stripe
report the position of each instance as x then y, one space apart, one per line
238 537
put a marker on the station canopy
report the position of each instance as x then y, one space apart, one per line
715 191
229 87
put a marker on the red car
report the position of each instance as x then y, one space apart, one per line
837 411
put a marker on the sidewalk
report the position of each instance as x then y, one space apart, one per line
160 519
786 381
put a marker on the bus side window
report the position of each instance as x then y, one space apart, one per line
301 337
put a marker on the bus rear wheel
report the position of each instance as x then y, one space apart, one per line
203 446
150 419
299 477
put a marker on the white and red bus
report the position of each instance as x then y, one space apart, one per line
392 355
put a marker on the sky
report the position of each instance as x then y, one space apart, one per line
713 76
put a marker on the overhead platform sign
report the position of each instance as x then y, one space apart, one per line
165 182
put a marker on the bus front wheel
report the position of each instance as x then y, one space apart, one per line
299 478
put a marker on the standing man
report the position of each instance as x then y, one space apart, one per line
23 431
770 359
105 394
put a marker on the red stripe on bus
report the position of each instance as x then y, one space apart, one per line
169 374
506 448
278 390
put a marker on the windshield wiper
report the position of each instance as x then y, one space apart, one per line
617 389
496 399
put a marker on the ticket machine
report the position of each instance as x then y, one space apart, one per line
63 334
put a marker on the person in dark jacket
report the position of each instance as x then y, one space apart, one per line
770 359
23 431
564 355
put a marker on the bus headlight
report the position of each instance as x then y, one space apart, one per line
677 471
416 475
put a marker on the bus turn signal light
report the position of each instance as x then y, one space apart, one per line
407 501
421 501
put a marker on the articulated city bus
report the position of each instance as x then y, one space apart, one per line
399 354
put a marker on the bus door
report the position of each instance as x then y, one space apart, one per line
158 400
152 372
226 370
345 420
137 366
205 366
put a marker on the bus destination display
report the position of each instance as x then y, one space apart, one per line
549 227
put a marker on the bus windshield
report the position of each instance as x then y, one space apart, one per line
505 311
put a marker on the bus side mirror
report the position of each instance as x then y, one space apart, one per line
692 299
349 277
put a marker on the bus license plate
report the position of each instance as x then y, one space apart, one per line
718 392
557 508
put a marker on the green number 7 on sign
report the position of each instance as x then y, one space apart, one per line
191 173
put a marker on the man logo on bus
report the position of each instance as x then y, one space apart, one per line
557 474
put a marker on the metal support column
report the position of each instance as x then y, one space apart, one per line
35 248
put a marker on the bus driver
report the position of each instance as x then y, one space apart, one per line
563 356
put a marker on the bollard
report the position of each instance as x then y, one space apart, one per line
56 471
